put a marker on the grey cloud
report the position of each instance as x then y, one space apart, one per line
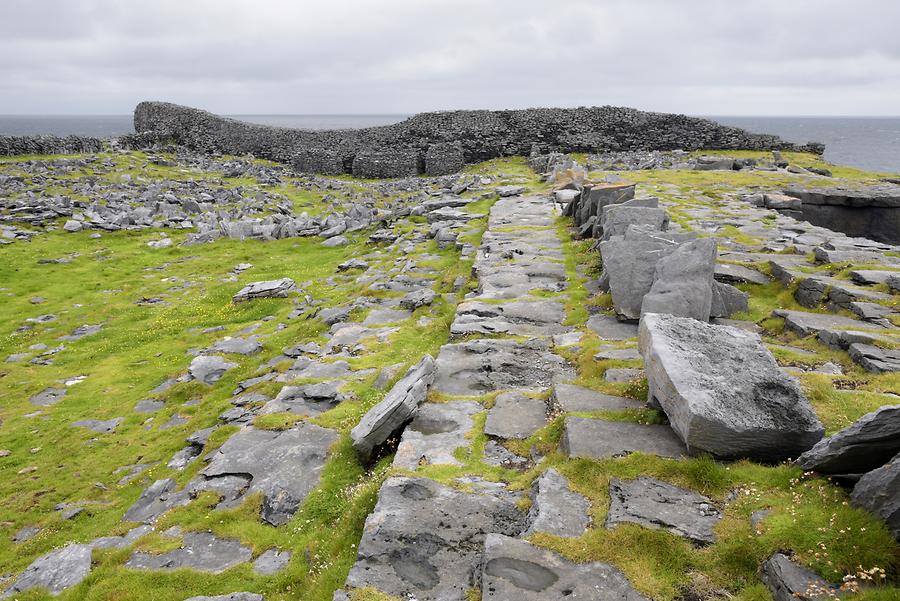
399 56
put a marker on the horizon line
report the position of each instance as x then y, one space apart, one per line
703 115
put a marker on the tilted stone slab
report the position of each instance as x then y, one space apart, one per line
875 359
436 432
398 407
683 282
517 570
285 466
269 289
723 391
481 366
602 439
556 508
515 416
425 540
788 581
655 504
879 492
866 444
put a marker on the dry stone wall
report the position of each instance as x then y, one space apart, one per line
441 142
23 145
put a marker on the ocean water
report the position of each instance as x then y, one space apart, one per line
868 142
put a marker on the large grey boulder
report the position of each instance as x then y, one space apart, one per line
617 219
396 409
683 282
516 570
656 504
788 581
629 264
269 289
556 508
866 444
879 492
723 391
425 540
56 571
285 466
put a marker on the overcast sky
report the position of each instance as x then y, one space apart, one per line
714 57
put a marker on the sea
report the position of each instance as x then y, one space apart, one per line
871 143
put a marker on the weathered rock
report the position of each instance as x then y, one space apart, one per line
200 551
655 504
619 217
158 498
879 492
383 316
435 433
480 366
504 191
728 300
285 466
149 406
398 407
209 369
515 416
875 359
47 397
601 439
418 298
267 289
271 562
610 328
518 318
738 274
788 581
723 391
868 443
425 540
556 509
101 426
515 569
237 346
683 282
56 571
569 397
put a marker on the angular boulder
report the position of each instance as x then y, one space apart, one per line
683 282
723 391
879 492
267 289
788 581
396 409
866 444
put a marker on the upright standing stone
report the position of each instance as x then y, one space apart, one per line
879 492
683 281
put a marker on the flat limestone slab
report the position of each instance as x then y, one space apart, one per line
285 466
481 366
516 318
723 391
516 416
601 439
804 323
655 504
556 508
515 570
570 397
610 328
436 432
425 540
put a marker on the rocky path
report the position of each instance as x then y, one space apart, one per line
434 537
